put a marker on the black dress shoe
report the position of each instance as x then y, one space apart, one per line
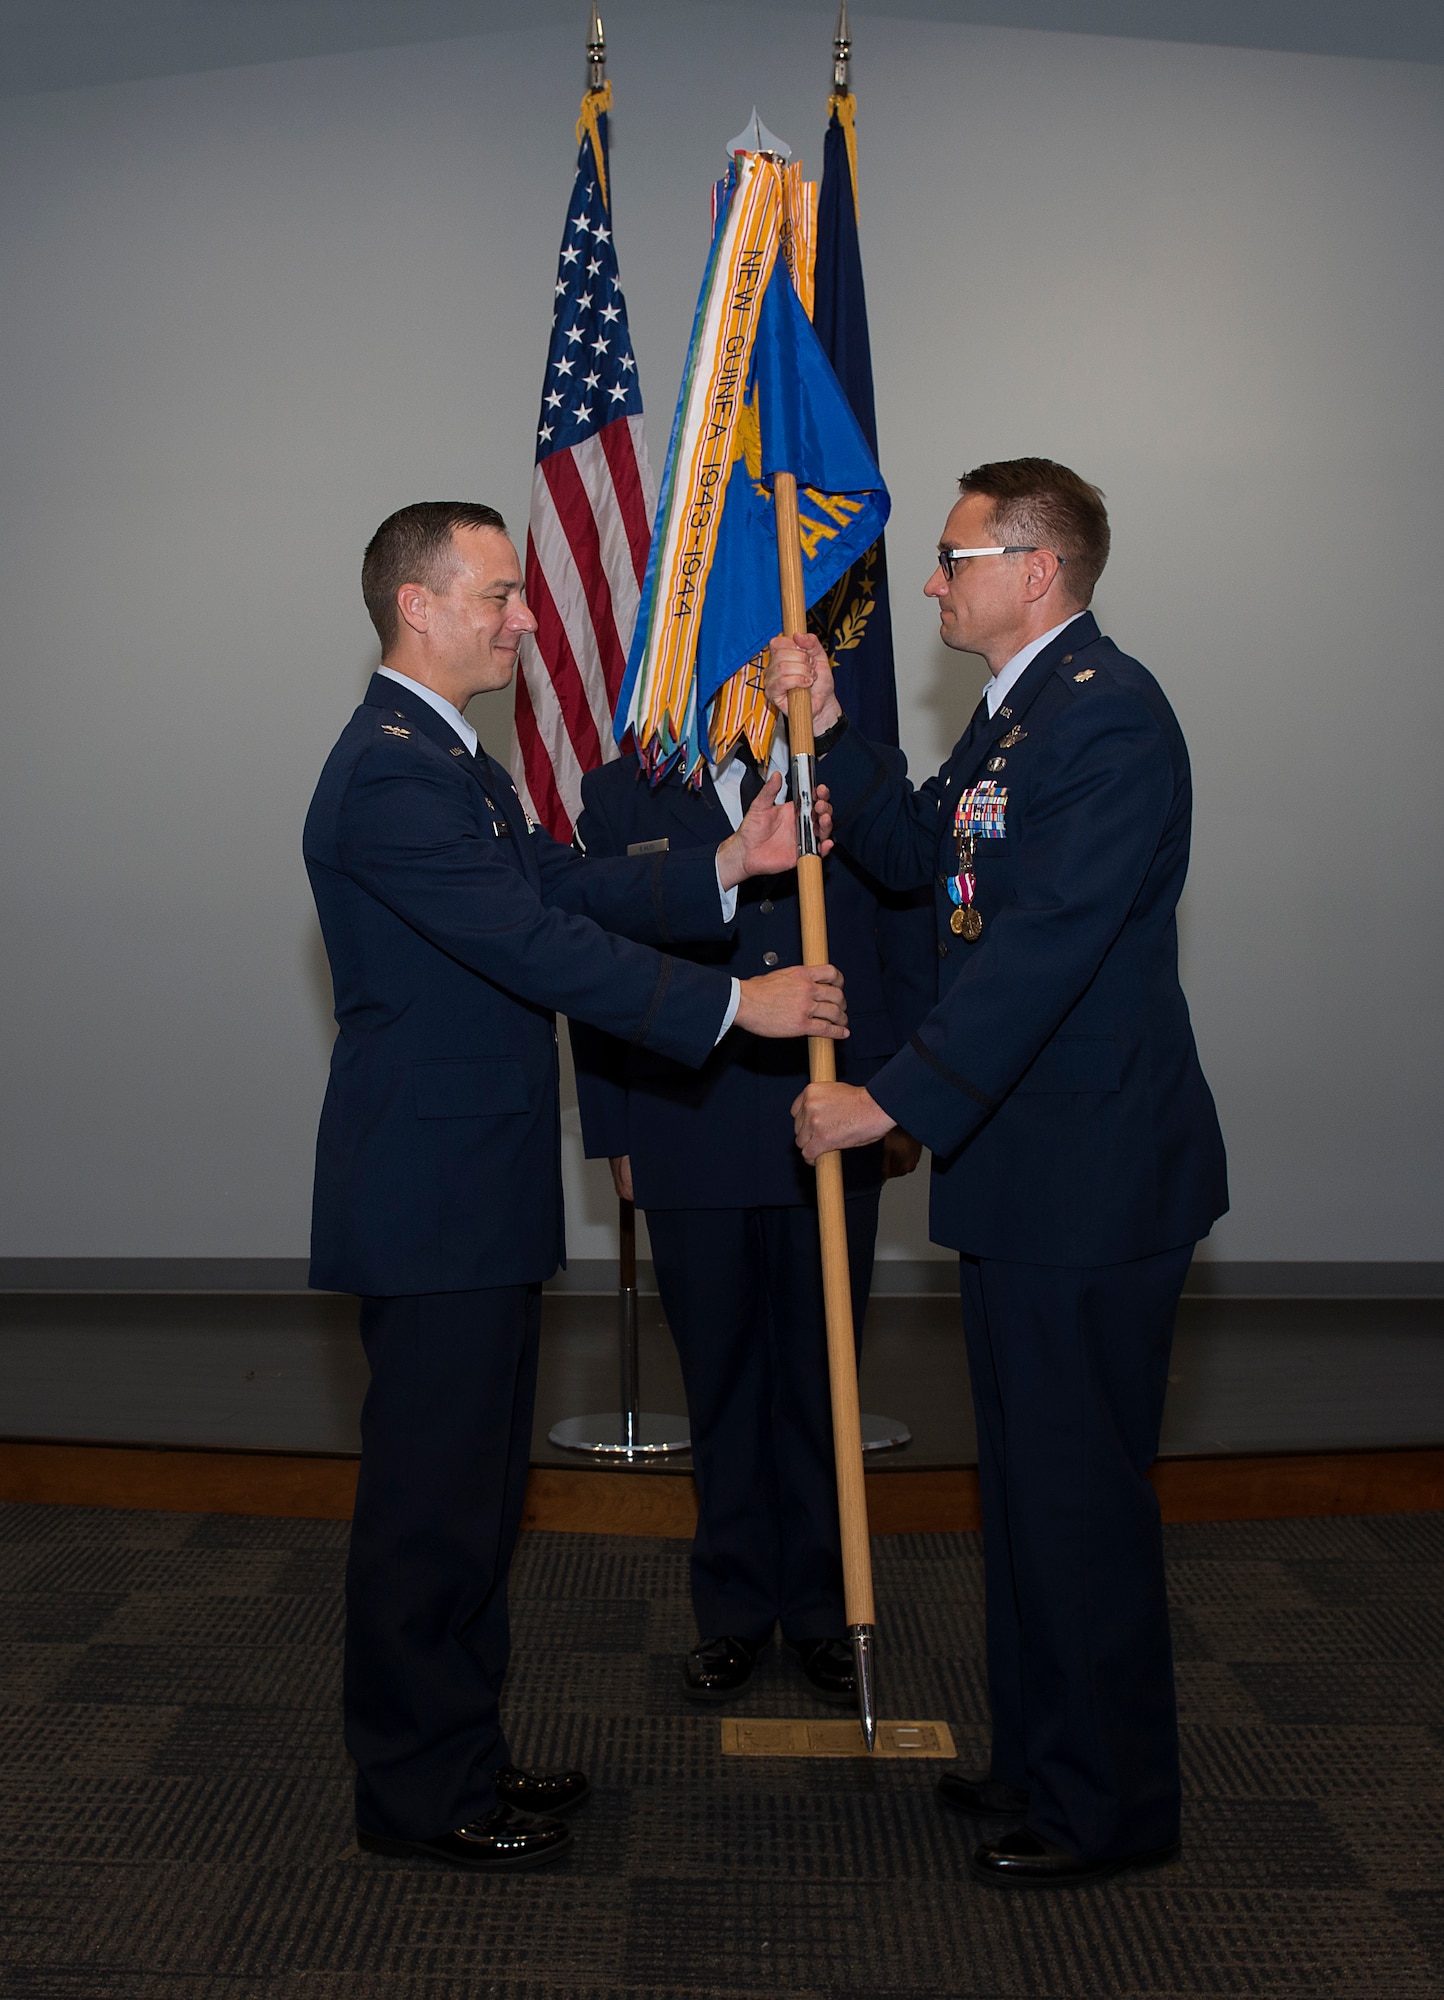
541 1791
718 1668
829 1667
504 1839
1023 1860
981 1796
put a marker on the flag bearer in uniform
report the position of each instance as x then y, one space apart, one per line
731 1212
1077 1156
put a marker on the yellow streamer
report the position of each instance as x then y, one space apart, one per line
740 707
797 245
705 452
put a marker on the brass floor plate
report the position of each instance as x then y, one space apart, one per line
747 1736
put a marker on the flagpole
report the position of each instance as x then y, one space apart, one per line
629 1432
831 1214
822 1064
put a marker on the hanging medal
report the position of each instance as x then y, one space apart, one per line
967 919
981 815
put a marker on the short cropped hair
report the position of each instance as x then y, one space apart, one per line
1046 505
414 545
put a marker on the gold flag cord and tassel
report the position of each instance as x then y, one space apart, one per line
594 104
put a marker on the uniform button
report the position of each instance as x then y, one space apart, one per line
769 958
766 906
942 949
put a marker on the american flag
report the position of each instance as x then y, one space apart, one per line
591 512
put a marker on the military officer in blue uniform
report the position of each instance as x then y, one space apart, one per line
731 1211
453 929
1077 1156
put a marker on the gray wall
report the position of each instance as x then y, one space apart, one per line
246 313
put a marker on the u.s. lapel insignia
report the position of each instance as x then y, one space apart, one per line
1006 713
1086 675
457 751
996 763
390 729
1014 737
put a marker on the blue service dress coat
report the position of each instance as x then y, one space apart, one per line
1077 1158
731 1211
1056 1080
720 1135
454 930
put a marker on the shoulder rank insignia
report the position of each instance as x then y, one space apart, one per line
1086 675
390 729
1015 736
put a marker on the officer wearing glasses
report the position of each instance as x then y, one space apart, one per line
1077 1156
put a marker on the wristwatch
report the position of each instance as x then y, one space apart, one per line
822 744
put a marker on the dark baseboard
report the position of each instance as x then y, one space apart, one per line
153 1274
940 1499
920 1277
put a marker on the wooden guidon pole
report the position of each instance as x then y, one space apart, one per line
831 1217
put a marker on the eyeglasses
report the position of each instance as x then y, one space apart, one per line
949 558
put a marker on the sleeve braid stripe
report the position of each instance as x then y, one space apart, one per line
920 1047
654 1008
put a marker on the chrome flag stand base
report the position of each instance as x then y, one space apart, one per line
626 1433
884 1433
861 1637
621 1434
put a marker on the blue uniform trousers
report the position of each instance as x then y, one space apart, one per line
1069 1366
445 1446
742 1291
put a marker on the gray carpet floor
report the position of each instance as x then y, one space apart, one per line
175 1802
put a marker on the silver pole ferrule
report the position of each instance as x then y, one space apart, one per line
803 771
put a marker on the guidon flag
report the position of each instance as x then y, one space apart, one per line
758 396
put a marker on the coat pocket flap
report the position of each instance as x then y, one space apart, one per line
486 1089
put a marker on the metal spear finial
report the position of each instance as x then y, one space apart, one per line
597 51
862 1665
841 53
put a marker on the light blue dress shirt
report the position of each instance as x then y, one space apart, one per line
998 686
